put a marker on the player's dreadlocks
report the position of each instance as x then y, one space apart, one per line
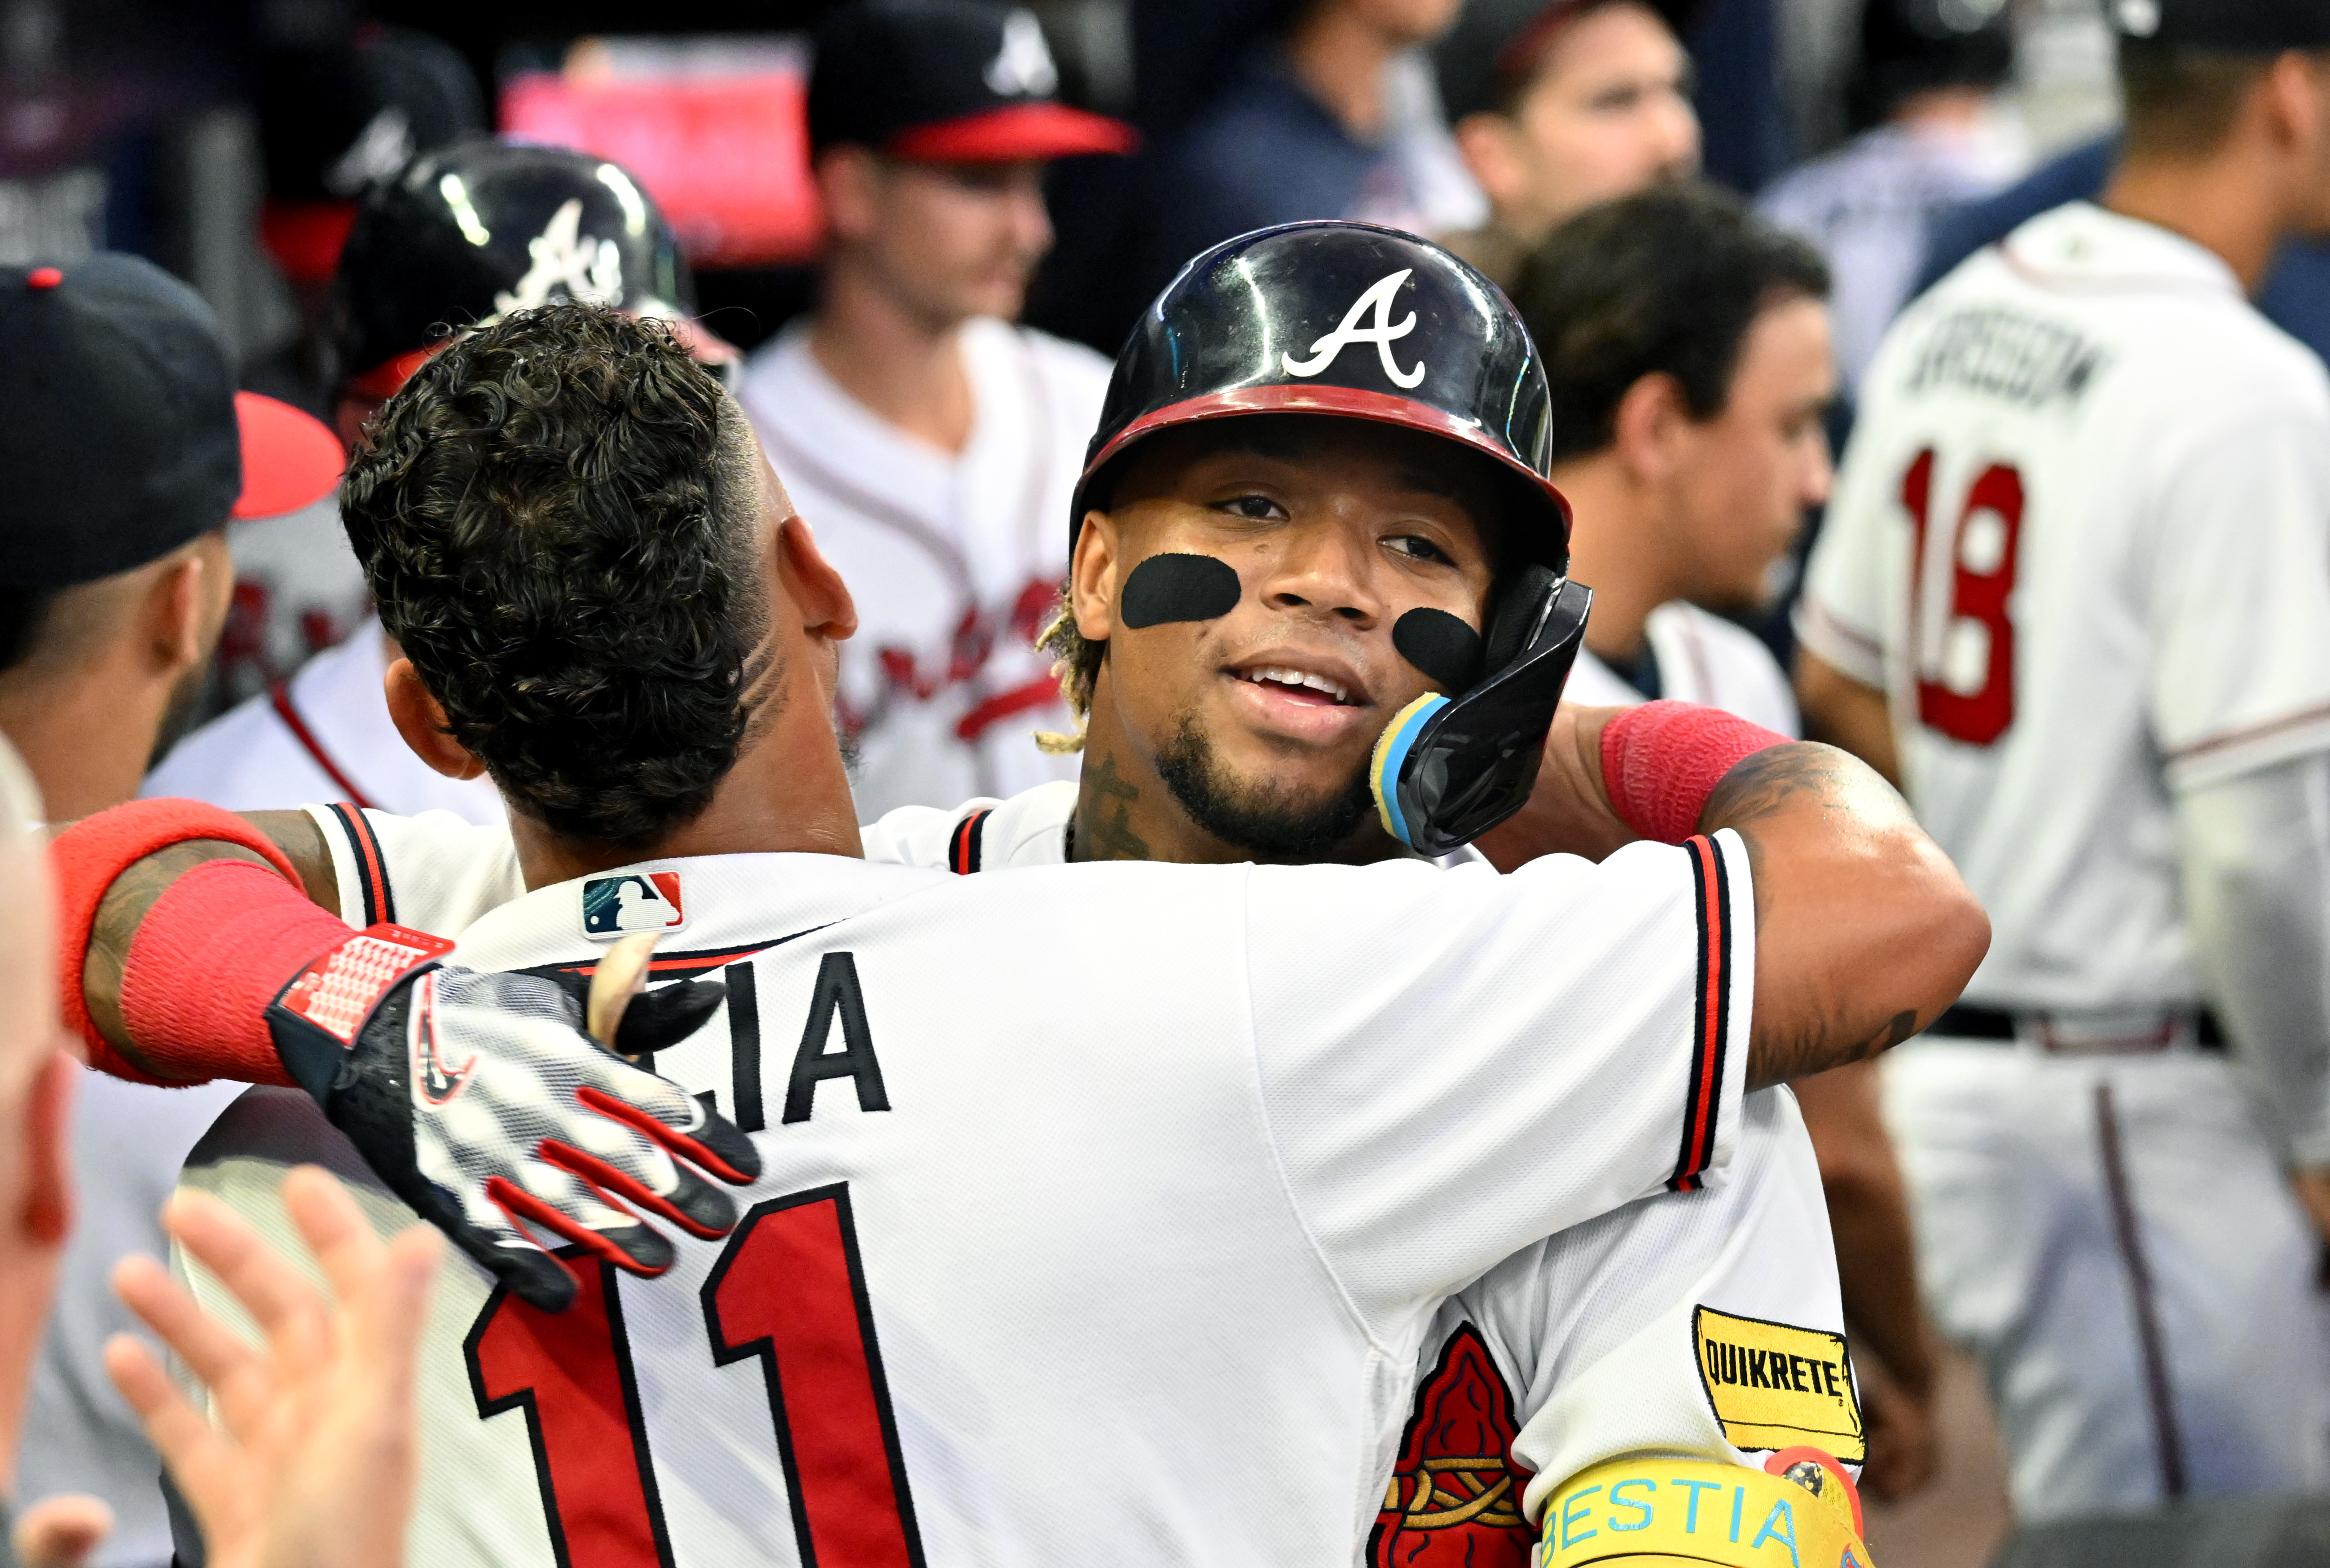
557 519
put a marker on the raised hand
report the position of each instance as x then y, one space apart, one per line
313 1453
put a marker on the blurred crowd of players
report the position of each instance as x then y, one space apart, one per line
928 409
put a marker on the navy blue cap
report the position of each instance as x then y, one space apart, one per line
125 437
2242 26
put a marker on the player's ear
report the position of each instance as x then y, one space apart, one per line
420 718
1488 143
1646 425
808 580
1093 577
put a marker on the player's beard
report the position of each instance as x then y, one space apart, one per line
1263 819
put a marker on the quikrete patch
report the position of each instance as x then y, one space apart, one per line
1774 1385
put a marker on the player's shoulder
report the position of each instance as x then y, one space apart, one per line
982 833
1070 373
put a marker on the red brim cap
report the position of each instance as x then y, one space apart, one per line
290 460
1012 134
706 346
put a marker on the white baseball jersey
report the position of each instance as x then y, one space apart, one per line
1703 658
325 735
2082 540
956 559
1137 1275
1522 1366
299 590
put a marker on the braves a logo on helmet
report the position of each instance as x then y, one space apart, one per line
1379 331
567 264
1023 67
1455 1499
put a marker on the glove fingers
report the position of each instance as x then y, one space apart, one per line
532 1275
635 1248
710 1140
693 1204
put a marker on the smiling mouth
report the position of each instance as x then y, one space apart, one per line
1301 685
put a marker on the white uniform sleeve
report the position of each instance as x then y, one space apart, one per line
924 835
1543 1048
2256 854
432 872
1842 612
2239 598
1629 1330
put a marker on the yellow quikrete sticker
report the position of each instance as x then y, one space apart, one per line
1774 1385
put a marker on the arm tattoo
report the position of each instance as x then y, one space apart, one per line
1813 1053
1109 799
135 890
1763 782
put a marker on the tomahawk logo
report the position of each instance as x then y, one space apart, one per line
1023 67
566 261
1379 331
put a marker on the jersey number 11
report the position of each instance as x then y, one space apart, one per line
1965 668
788 1291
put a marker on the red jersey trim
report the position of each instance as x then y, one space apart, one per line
279 695
1711 1029
372 866
964 844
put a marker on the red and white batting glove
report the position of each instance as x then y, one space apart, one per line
477 1098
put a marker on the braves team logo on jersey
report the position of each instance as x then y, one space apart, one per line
637 900
1456 1496
1381 331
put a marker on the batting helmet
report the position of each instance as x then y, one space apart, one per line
478 229
1358 322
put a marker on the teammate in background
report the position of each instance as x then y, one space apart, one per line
1929 69
1516 1364
1259 1337
1557 105
1313 119
125 470
2072 593
934 440
335 119
559 225
1686 343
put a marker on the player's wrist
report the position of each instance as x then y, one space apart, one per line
1662 762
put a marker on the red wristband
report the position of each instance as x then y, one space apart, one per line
88 855
209 959
1661 762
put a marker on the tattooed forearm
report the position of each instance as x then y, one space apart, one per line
1103 823
134 891
1819 1050
1768 780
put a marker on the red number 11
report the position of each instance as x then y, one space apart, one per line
788 1291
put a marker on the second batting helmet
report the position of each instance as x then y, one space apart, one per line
478 229
1353 321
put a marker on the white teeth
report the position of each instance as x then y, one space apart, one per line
1301 678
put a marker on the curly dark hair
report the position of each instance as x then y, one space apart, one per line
558 518
1667 281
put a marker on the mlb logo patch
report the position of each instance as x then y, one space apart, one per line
636 901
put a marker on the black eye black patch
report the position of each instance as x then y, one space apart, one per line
1179 588
1442 647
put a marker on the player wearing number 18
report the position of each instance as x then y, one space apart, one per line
2074 593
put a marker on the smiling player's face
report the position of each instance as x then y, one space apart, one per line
1261 721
